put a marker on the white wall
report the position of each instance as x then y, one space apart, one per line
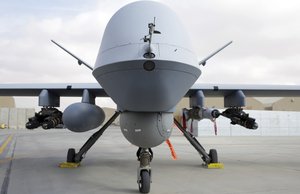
15 118
270 123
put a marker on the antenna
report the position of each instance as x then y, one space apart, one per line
151 26
148 38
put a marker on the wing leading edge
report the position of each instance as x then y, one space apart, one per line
209 90
60 89
223 90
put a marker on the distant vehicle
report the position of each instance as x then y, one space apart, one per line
3 126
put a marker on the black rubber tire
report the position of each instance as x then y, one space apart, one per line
144 185
71 155
213 156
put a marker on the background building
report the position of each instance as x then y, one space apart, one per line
12 117
286 104
7 102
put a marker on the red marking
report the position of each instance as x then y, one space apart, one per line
173 153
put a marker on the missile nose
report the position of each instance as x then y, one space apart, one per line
255 126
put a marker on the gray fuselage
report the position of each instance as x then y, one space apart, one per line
146 79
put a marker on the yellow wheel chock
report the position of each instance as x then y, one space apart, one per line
215 166
69 165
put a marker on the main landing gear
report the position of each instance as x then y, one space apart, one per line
145 156
208 158
74 157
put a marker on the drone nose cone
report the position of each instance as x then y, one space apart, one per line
146 72
126 35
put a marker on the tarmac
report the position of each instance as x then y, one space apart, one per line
29 164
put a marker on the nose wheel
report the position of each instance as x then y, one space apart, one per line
144 182
144 170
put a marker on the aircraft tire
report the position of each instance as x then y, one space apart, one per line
213 156
71 155
144 185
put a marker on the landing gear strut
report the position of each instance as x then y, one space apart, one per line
77 157
145 156
211 157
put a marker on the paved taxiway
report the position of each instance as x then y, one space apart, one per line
28 165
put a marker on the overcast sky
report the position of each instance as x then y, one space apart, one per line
266 35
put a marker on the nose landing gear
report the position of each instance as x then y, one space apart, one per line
145 156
